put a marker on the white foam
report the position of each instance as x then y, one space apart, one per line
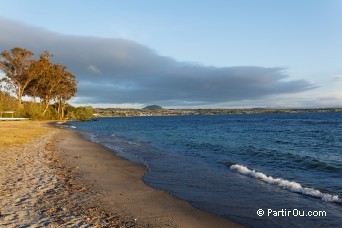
289 185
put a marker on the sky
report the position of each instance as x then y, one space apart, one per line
187 53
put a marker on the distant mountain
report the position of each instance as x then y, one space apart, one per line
153 107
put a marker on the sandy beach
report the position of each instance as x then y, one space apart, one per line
60 179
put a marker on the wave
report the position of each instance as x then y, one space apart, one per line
286 184
66 125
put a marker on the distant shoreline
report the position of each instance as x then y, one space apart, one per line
119 112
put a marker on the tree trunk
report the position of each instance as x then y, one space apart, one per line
46 108
59 109
47 103
19 95
62 109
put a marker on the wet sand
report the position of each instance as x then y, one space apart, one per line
122 190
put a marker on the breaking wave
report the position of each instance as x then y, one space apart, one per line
286 184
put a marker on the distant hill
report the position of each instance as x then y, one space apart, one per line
153 107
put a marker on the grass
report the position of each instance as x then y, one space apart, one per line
20 132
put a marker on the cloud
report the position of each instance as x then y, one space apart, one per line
337 78
118 71
93 69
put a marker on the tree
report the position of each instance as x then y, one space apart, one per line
41 69
66 88
43 86
38 79
16 64
52 82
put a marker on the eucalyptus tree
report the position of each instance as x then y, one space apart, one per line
41 69
16 65
53 82
37 78
66 88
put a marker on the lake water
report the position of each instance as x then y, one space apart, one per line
233 165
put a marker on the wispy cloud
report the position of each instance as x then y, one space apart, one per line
116 71
337 78
93 69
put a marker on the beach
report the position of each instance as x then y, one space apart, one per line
59 179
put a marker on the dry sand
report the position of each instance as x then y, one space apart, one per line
25 175
38 190
62 180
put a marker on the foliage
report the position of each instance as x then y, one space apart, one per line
7 102
83 113
16 66
51 84
54 83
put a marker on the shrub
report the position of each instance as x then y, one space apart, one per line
83 113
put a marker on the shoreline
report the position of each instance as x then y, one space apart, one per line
59 179
122 189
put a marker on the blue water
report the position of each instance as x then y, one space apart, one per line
233 165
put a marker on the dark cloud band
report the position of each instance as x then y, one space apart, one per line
116 71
